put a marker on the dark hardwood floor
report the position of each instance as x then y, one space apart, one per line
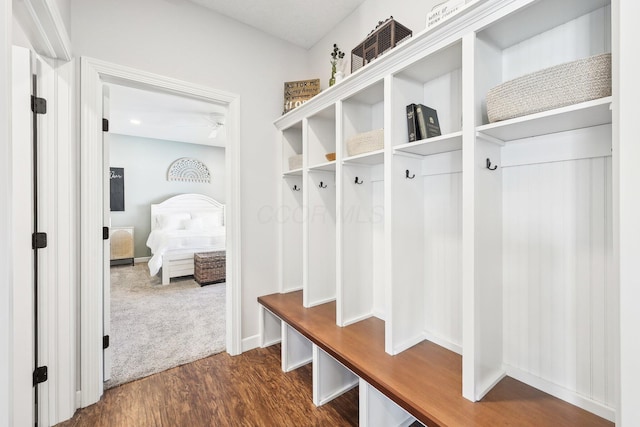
246 390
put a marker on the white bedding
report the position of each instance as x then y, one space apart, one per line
161 241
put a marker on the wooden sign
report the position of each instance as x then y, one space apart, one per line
297 93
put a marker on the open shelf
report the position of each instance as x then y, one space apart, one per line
371 158
430 146
293 172
328 167
578 116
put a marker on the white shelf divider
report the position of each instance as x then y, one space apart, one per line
296 349
371 158
330 378
270 328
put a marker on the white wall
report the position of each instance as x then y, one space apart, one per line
145 182
6 272
64 7
185 41
354 29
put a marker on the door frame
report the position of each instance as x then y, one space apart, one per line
93 73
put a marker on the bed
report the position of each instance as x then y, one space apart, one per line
181 226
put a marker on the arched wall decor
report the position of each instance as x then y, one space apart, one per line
188 170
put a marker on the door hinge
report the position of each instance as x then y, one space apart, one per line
105 342
39 240
105 233
38 105
105 125
40 375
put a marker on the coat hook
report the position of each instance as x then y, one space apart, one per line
358 182
322 185
409 177
296 188
489 165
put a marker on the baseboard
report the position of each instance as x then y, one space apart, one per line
142 259
78 399
397 349
562 393
486 386
250 343
443 343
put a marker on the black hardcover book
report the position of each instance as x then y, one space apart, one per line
412 123
428 125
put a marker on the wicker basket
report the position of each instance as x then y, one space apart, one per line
553 87
209 267
365 142
295 162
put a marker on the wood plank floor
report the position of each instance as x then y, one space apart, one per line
246 390
426 380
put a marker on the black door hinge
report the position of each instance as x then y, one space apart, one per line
38 105
105 125
40 375
39 240
105 233
105 342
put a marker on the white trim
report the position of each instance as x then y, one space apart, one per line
6 252
253 342
141 259
49 34
561 393
93 73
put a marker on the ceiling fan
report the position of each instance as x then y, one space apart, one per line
213 121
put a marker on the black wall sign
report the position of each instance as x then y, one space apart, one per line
117 189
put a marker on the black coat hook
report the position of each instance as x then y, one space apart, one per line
358 182
296 188
409 177
489 165
322 185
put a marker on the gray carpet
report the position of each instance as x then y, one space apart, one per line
155 327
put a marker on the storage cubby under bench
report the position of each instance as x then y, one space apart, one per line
426 379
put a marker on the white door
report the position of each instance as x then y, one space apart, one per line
32 161
106 216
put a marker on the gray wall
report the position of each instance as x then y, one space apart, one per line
146 162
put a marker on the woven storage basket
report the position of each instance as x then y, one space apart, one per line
554 87
295 162
209 267
365 142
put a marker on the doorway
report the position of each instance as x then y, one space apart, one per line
94 74
153 144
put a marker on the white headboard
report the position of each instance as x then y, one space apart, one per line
188 203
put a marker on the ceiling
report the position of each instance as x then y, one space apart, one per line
301 22
164 116
168 117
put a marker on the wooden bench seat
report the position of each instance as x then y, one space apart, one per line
425 380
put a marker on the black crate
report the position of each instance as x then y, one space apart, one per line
383 38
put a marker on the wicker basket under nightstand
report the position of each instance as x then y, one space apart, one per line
209 267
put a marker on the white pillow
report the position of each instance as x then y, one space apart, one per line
193 224
173 221
209 220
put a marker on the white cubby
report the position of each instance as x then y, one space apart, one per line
377 410
361 277
291 146
362 112
270 328
322 138
320 283
434 81
291 215
426 251
519 259
296 349
330 378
